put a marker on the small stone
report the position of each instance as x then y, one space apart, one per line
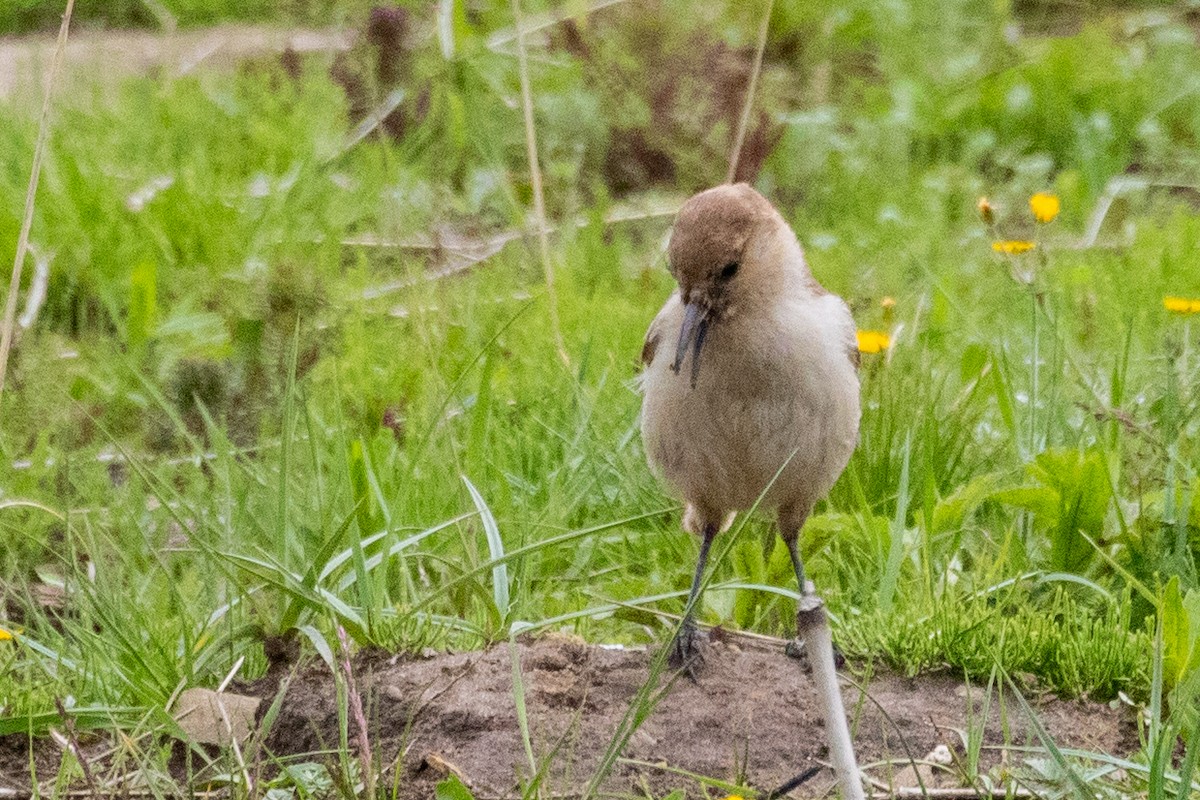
940 755
209 717
641 740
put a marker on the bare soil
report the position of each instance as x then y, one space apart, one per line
751 716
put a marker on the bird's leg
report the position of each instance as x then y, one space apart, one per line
684 649
795 647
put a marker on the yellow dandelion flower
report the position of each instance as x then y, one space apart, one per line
887 302
873 341
1181 305
5 635
1013 247
1045 206
986 212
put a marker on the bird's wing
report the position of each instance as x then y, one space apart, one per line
852 350
654 334
850 335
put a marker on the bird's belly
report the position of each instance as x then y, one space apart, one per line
722 448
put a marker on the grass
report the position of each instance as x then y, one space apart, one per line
218 413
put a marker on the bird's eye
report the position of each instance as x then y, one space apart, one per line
730 270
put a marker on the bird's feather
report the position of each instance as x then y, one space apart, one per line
655 332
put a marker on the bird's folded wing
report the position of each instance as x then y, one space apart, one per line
657 328
853 352
850 336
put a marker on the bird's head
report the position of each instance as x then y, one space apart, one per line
729 251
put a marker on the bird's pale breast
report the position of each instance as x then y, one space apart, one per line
771 387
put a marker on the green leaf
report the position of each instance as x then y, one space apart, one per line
951 513
972 363
483 406
320 644
452 789
1041 501
1181 628
368 520
891 572
143 304
1071 494
1003 391
500 595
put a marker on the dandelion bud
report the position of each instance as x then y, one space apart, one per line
986 212
888 304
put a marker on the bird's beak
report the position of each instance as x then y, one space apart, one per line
691 334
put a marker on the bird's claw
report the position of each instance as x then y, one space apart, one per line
685 650
797 649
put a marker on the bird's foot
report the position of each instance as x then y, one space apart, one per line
685 650
797 649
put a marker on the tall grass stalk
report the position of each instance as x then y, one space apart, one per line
735 154
535 177
518 682
8 330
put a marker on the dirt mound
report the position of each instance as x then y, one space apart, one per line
752 716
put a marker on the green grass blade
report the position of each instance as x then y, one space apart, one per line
495 543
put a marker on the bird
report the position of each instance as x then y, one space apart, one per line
768 404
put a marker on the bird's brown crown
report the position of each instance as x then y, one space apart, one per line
711 232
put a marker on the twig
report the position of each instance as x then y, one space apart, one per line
248 783
744 122
117 794
794 783
464 254
370 123
39 150
965 793
72 744
548 20
535 176
668 207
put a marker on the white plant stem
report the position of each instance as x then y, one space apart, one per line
812 624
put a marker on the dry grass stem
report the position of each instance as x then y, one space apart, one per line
458 254
70 742
549 20
535 176
736 154
14 286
